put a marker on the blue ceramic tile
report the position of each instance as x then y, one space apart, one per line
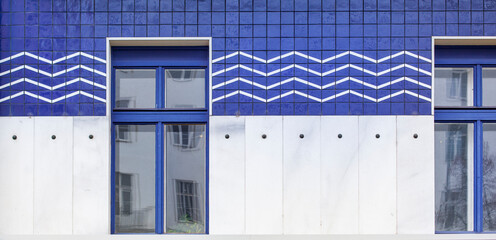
218 108
127 5
153 5
230 5
259 17
87 5
232 108
218 18
202 5
31 5
115 5
100 6
246 17
86 109
397 4
218 5
287 5
139 30
46 6
139 18
140 5
17 109
342 108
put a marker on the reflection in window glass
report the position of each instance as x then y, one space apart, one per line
454 176
489 86
135 179
135 88
489 176
185 173
185 88
453 87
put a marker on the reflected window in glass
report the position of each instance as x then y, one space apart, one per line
135 180
185 88
454 87
489 87
185 172
135 88
454 178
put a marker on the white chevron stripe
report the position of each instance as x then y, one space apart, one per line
54 100
323 60
324 73
323 99
52 74
54 61
54 87
296 79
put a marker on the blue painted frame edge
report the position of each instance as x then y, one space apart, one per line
474 114
160 117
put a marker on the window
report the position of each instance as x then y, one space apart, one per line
465 139
159 124
187 202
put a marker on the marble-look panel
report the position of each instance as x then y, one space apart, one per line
301 164
339 174
227 175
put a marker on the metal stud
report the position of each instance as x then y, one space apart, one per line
264 136
415 136
340 135
14 137
53 137
377 136
91 136
227 136
302 136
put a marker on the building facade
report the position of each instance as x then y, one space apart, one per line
248 117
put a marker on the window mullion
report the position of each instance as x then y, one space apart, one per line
160 91
478 158
159 184
478 86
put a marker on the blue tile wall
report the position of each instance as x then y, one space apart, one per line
270 57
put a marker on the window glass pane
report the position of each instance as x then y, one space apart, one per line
489 176
454 176
135 178
489 86
135 88
185 174
453 87
185 88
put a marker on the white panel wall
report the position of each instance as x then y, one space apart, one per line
53 166
16 175
279 185
301 175
377 175
227 175
339 174
91 176
264 175
415 176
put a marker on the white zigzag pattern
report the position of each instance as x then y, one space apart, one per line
52 74
54 61
322 99
54 100
54 87
324 73
324 60
240 79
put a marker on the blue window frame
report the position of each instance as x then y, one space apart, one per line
465 118
155 144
